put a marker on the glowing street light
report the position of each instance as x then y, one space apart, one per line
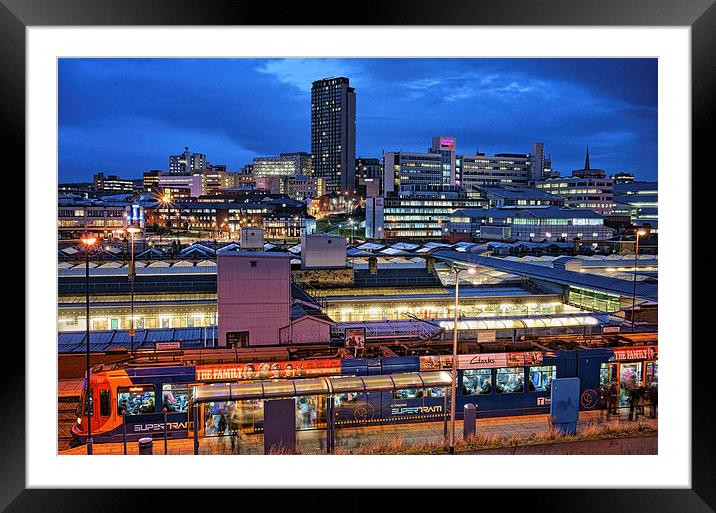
88 240
640 232
453 388
132 230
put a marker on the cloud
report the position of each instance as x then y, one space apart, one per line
130 114
301 73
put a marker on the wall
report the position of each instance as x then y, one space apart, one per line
323 251
308 330
327 278
254 298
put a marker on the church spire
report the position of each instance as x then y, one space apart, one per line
586 161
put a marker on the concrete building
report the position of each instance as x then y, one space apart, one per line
78 215
253 298
640 201
517 195
622 177
217 178
445 146
586 188
416 212
286 164
323 251
185 185
111 184
303 188
545 223
369 177
403 168
256 305
593 193
333 133
502 168
186 162
251 237
280 217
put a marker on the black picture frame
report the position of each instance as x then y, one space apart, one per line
700 15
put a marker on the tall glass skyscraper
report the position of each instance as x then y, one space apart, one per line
333 133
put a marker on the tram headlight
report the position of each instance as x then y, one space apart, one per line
79 421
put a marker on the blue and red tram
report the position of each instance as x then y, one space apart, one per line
133 399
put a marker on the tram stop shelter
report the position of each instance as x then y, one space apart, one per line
325 386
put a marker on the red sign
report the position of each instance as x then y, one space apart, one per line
267 370
637 353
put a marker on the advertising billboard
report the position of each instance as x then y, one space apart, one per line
355 338
481 361
637 353
267 370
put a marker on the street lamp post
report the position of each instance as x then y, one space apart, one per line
132 230
453 387
88 240
639 233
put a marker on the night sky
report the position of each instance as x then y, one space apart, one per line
125 116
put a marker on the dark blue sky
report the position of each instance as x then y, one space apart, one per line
125 116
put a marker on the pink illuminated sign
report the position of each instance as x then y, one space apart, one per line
447 141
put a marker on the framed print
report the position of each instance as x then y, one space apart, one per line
321 242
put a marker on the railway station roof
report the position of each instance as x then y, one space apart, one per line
319 386
524 322
644 291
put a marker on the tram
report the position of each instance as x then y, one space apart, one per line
134 401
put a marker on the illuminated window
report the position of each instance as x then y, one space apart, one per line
477 382
541 378
135 400
510 380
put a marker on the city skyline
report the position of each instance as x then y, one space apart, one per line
125 116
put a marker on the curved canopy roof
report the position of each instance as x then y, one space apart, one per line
522 323
319 386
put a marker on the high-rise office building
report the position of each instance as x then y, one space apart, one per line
333 133
186 162
401 168
445 147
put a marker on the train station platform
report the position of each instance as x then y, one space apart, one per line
314 442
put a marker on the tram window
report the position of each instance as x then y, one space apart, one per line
104 403
348 398
408 393
435 392
175 397
652 373
541 378
510 380
477 382
135 400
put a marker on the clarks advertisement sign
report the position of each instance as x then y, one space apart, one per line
481 361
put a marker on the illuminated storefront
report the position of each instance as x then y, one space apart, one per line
631 367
